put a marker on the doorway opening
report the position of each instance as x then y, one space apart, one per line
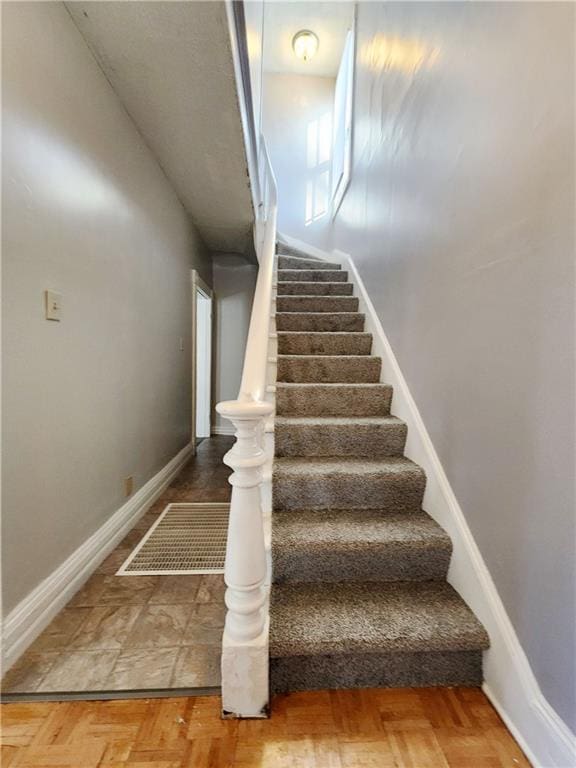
201 358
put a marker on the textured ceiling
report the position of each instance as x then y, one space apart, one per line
171 65
329 21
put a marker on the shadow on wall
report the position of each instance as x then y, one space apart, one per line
234 284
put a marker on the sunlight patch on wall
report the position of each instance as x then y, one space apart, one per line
384 53
69 178
318 157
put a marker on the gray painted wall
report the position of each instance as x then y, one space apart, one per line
460 217
234 284
87 211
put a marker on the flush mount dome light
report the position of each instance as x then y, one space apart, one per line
305 44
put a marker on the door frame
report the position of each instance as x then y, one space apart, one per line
197 284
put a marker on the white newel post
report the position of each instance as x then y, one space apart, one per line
245 640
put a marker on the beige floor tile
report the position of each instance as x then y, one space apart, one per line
143 668
128 590
90 592
176 589
79 671
106 627
131 539
159 625
206 625
197 668
114 561
60 631
212 589
28 672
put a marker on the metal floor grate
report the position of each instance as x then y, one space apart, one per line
186 539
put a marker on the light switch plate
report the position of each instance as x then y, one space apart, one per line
53 305
129 485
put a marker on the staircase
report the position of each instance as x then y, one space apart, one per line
359 595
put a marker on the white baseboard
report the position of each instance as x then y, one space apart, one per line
509 681
25 622
223 429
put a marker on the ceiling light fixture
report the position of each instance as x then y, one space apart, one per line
305 44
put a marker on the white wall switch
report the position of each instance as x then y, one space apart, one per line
53 304
129 485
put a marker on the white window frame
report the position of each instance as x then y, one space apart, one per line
343 184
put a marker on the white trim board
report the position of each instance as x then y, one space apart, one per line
509 681
25 622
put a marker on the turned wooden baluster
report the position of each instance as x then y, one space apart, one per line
245 641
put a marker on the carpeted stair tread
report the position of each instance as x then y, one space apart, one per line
336 421
324 343
374 546
299 262
304 288
289 250
313 399
329 368
317 304
371 617
320 321
312 275
330 436
393 484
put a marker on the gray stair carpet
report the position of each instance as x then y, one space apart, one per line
359 595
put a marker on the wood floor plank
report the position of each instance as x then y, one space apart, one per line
372 728
87 754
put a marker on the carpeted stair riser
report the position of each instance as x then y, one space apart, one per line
337 547
295 343
333 399
314 289
320 321
317 304
327 368
312 275
297 262
391 484
355 438
376 670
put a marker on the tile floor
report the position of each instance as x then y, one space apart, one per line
137 632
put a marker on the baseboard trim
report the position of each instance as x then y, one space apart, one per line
25 622
509 681
560 749
223 429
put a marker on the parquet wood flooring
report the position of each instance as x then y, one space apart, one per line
374 728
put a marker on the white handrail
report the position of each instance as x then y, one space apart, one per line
245 639
253 385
